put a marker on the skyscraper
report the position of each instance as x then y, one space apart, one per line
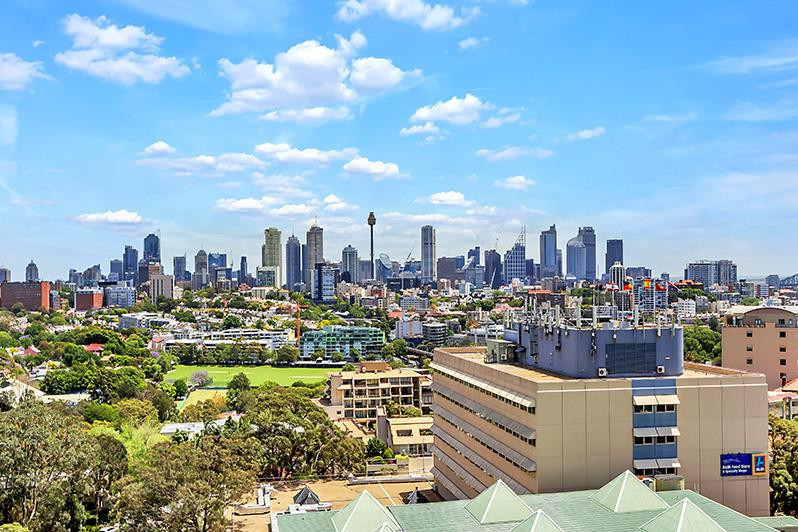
216 260
293 263
115 269
179 267
372 220
130 261
473 253
272 252
576 256
5 275
31 273
243 270
614 253
588 237
428 255
201 262
548 252
515 260
493 268
349 264
152 248
709 272
315 253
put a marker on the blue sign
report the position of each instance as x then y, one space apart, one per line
733 465
760 464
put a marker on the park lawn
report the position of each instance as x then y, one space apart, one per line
221 375
202 395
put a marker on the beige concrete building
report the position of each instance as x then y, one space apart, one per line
762 340
541 432
374 384
406 435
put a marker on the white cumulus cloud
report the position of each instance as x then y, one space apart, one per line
450 197
162 156
586 134
285 153
159 148
513 152
496 121
120 217
377 169
283 186
17 74
516 182
458 111
333 203
310 115
245 205
125 55
426 16
427 128
472 42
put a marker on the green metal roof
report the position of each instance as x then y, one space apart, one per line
683 516
537 522
364 513
778 521
626 493
498 504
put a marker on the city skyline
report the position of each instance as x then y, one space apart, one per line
494 116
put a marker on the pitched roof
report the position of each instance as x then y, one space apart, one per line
537 522
626 493
306 496
682 516
498 504
364 513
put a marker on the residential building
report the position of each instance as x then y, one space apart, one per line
152 248
624 504
587 236
515 260
562 406
429 259
762 340
326 278
362 392
548 253
434 332
293 263
685 309
179 267
408 328
314 254
266 276
31 273
413 303
576 255
617 275
161 285
711 272
272 252
636 272
614 253
31 295
120 296
650 295
410 436
342 339
493 268
349 263
88 299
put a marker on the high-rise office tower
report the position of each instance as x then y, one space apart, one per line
272 252
515 260
473 253
588 237
614 253
115 269
548 252
201 262
576 256
32 273
314 254
617 275
152 248
493 268
293 263
5 275
428 254
243 270
710 272
217 260
179 267
349 263
305 264
372 220
130 261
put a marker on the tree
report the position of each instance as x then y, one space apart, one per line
750 301
205 411
375 447
702 344
137 412
110 465
237 387
181 388
287 353
185 487
200 378
231 321
783 465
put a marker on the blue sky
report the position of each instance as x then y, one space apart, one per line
672 125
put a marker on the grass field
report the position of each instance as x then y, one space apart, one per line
202 395
222 375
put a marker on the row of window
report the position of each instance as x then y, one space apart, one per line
750 334
652 472
650 409
482 443
530 409
508 430
651 440
782 348
782 361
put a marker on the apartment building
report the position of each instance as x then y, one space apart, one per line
341 339
762 340
497 416
374 384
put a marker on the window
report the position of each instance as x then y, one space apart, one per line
782 349
666 439
758 321
782 362
666 408
404 432
782 334
749 361
644 440
644 409
749 347
749 334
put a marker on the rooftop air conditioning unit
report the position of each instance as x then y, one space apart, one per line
602 372
660 369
